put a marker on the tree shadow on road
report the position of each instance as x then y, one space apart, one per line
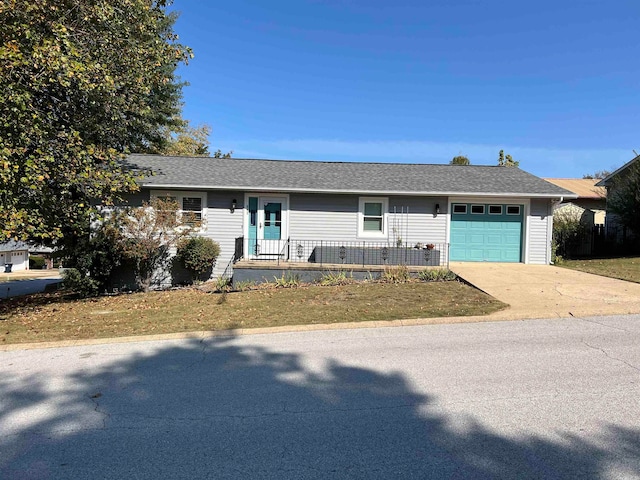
228 408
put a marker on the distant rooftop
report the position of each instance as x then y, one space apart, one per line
340 177
583 187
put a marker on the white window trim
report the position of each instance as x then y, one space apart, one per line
454 205
484 210
514 214
179 195
492 213
362 233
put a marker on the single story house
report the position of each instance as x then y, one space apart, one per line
303 211
591 203
16 254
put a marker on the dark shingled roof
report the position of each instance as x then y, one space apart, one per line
340 177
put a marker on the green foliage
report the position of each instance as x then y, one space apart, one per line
36 262
95 258
568 231
198 254
437 275
218 154
460 160
623 197
336 278
396 274
82 83
80 283
287 280
223 284
185 140
507 161
244 286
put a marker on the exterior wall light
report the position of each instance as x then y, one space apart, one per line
234 202
437 211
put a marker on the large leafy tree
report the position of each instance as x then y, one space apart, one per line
83 82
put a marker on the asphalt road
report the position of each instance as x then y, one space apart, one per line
527 399
25 287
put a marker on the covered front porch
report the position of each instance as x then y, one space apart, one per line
309 260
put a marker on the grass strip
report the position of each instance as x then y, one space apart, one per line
56 316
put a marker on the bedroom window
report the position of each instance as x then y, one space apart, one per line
192 202
193 205
372 217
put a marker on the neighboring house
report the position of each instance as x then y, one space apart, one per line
609 183
16 254
591 202
299 211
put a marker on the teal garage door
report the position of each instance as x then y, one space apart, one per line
486 232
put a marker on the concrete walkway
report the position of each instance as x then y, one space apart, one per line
544 291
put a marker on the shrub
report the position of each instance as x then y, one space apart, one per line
93 260
287 281
245 285
36 262
198 254
223 284
336 278
568 231
80 283
437 275
399 274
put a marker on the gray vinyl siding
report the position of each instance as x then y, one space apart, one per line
335 218
323 217
415 219
539 233
223 226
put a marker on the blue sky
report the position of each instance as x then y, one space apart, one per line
554 83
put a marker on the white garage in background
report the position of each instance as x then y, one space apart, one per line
16 254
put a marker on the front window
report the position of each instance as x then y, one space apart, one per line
373 220
191 204
194 206
372 217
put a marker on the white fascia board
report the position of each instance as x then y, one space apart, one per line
359 192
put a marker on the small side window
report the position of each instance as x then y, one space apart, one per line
477 209
513 209
495 209
460 208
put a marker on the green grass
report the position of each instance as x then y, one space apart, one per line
50 317
627 268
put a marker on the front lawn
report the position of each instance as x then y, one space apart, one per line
50 317
627 268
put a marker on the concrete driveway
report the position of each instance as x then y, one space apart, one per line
543 291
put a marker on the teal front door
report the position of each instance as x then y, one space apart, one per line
486 232
272 221
267 226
